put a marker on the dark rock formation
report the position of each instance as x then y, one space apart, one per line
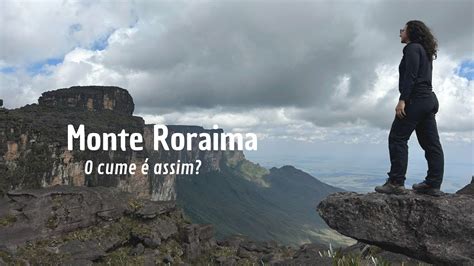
90 98
64 223
366 251
437 230
33 148
33 154
82 225
241 250
33 144
468 189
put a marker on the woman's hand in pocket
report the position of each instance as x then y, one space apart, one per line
400 109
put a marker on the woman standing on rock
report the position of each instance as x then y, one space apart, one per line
415 110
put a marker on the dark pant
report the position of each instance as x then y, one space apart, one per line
420 116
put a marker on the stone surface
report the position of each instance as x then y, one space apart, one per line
34 154
468 189
90 98
437 230
88 225
58 210
66 224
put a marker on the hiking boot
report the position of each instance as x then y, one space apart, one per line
391 187
425 188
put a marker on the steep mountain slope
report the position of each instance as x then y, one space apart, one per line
281 207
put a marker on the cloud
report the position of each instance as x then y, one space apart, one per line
36 30
308 70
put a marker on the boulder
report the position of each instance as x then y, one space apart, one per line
468 189
438 230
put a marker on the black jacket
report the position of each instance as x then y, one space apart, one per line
415 73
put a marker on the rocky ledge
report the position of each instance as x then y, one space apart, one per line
438 230
99 225
67 225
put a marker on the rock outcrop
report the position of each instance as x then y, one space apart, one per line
33 144
65 224
90 98
438 230
468 189
85 225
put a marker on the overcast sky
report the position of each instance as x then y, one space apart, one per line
295 70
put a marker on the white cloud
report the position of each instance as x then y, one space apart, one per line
37 30
296 71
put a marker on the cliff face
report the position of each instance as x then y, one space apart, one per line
33 144
90 98
163 187
438 230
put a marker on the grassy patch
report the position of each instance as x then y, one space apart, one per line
7 220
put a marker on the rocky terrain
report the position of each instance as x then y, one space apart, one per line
438 230
71 225
82 225
51 212
33 144
230 191
468 189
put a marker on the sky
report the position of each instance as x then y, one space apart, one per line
316 74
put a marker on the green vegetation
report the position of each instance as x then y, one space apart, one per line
135 204
121 256
248 170
34 163
52 221
7 220
356 259
284 211
119 233
40 252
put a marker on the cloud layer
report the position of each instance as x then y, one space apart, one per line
305 70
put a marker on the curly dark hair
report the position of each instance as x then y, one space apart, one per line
418 32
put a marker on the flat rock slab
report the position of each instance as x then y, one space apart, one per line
438 230
34 214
